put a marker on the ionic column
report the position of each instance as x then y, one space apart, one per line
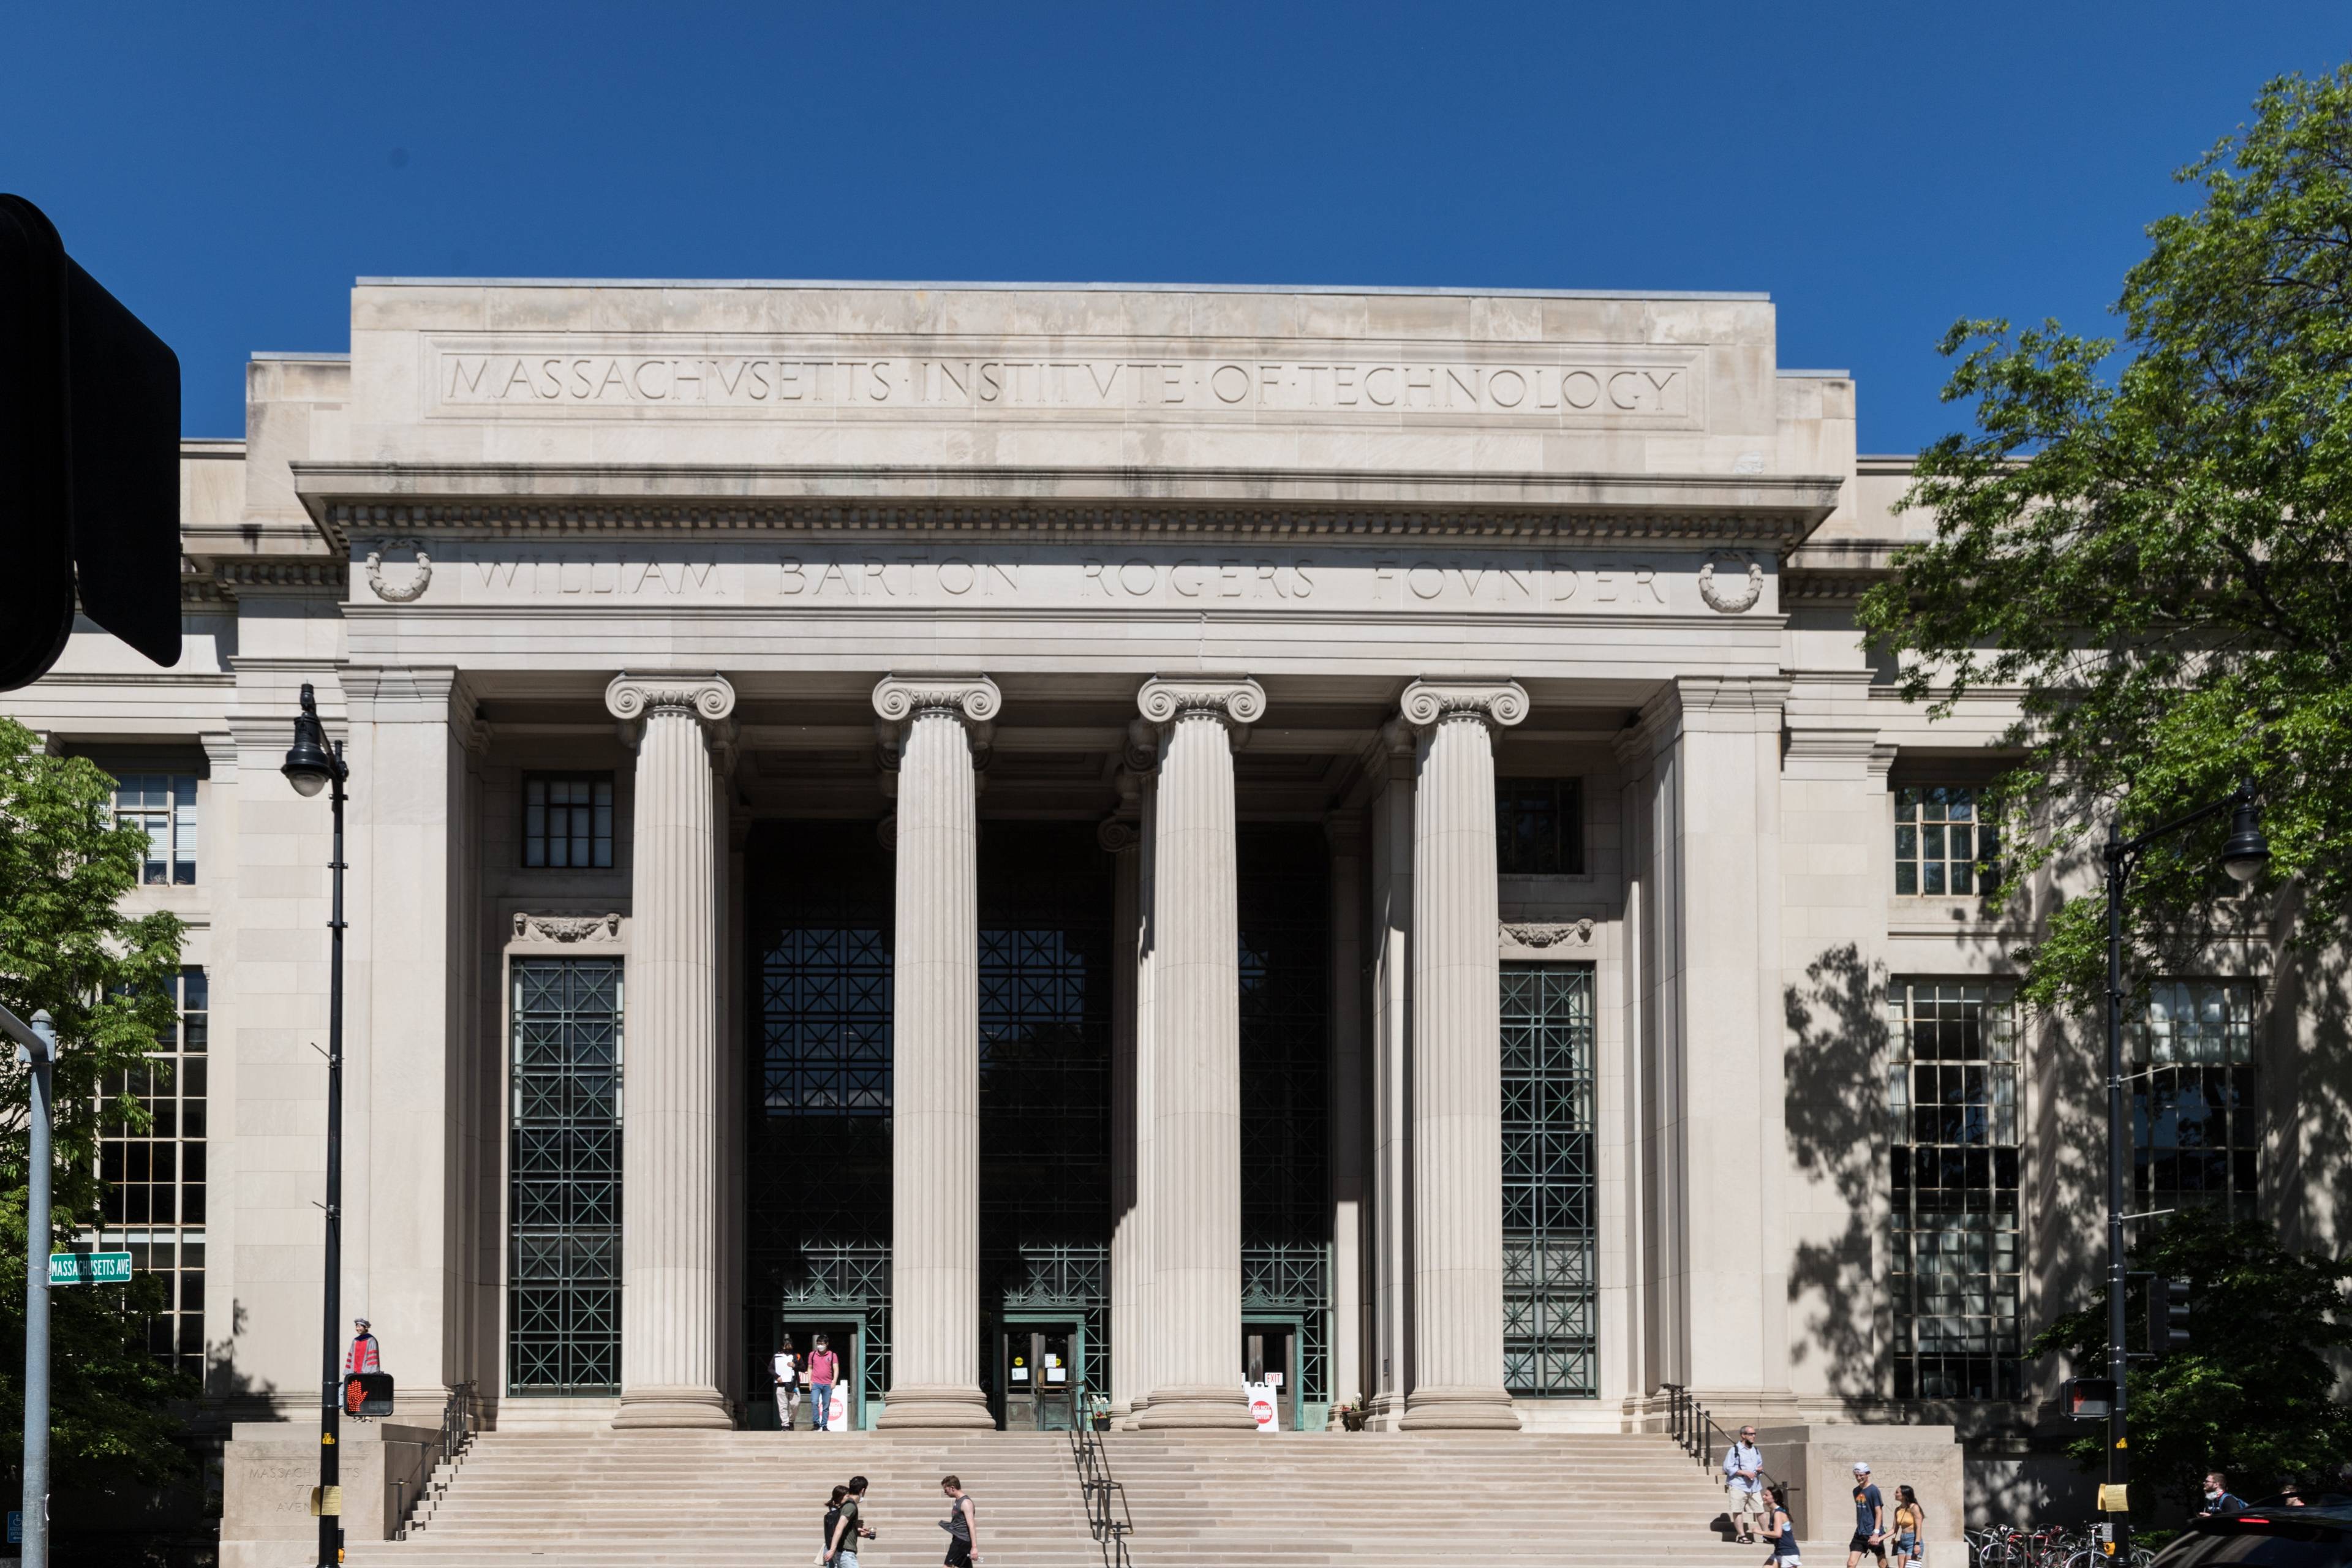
1457 1071
1122 836
935 1053
669 1140
1195 1227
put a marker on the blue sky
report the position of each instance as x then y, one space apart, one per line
1879 170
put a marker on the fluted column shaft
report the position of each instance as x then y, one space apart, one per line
1129 1255
935 1058
669 1141
1196 1223
1458 1077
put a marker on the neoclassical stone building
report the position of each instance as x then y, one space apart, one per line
1113 836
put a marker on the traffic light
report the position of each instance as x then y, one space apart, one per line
2090 1398
89 459
2168 1315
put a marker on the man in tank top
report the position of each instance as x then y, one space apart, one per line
962 1524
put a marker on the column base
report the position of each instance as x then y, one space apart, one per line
1458 1409
661 1407
1382 1412
935 1405
1192 1406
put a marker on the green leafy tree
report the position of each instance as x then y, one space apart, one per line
2254 1394
2146 540
105 979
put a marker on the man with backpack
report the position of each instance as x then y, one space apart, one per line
1743 1478
841 1551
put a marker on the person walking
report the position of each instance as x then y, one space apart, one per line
785 1368
1782 1528
841 1546
962 1524
2221 1503
823 1370
1910 1527
1743 1477
831 1517
1869 1521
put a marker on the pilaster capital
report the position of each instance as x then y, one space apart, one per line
220 755
1232 700
1494 703
707 698
404 694
1118 832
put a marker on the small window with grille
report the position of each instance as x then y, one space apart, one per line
1943 846
1540 828
162 807
567 820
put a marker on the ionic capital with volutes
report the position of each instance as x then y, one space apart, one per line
1498 704
1234 702
973 701
633 699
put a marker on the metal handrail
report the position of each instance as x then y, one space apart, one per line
1694 1431
459 1426
1097 1486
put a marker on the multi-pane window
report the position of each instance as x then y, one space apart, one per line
2196 1129
1942 844
1540 827
567 820
154 1199
563 1280
1550 1345
1951 1092
162 807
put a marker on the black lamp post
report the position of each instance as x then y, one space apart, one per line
312 766
2243 857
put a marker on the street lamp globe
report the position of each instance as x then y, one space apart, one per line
309 766
2247 851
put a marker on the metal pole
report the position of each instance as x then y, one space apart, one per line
37 1049
2118 1158
332 1390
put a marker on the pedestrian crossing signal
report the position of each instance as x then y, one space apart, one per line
2090 1398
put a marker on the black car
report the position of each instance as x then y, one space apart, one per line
2268 1535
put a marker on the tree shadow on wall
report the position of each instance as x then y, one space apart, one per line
1837 1135
2306 1083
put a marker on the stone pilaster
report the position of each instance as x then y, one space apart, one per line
1457 1075
1196 1219
1346 831
669 1135
937 722
1390 1358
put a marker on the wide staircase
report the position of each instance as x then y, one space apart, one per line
736 1500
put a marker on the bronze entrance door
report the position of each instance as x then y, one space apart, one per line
1036 1367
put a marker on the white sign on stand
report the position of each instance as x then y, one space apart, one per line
1265 1409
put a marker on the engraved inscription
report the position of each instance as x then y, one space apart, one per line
786 384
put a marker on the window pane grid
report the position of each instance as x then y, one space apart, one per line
1540 827
563 1271
1942 847
163 807
154 1178
1955 1274
1549 1343
2196 1131
567 821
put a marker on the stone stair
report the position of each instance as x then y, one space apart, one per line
736 1500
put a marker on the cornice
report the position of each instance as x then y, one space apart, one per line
1039 502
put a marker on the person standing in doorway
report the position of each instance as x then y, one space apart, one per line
824 1371
785 1368
962 1524
1782 1529
1743 1477
1869 1521
841 1550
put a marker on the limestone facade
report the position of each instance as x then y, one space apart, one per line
917 561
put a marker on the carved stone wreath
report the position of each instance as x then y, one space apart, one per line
399 593
1729 603
1540 934
567 927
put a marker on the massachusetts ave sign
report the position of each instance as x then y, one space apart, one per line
89 1268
